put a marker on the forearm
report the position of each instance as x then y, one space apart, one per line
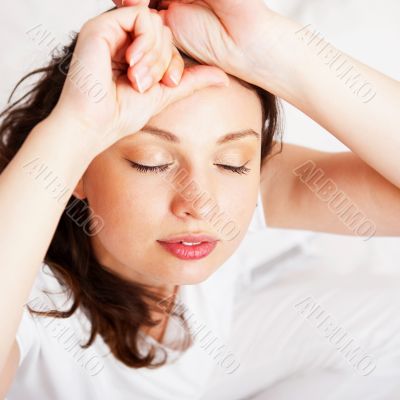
355 103
34 189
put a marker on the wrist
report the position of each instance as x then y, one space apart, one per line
53 157
66 134
273 59
76 138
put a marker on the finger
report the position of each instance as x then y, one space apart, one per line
173 74
165 53
101 39
155 62
116 26
161 63
194 78
144 38
169 21
150 69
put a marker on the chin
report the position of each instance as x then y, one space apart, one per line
189 272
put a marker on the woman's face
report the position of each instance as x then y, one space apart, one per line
143 209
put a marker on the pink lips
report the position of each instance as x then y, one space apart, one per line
206 244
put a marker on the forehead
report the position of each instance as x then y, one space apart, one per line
211 110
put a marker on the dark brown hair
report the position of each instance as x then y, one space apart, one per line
116 308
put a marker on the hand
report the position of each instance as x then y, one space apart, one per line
235 35
114 109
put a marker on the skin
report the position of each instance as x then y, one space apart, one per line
138 208
248 40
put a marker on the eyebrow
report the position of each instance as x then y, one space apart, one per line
170 137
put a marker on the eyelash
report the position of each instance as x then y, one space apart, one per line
161 168
242 170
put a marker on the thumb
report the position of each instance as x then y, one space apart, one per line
194 78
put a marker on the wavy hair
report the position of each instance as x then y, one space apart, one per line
116 308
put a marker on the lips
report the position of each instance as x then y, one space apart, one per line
190 247
192 252
190 239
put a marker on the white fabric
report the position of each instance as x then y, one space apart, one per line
311 334
52 365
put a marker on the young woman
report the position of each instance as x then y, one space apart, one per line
141 263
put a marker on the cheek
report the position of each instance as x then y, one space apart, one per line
240 207
136 210
123 203
240 198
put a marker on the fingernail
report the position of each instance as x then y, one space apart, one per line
144 83
175 77
140 75
141 72
135 58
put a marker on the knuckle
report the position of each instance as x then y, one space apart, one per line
89 25
167 34
158 72
155 24
149 43
140 8
152 58
157 19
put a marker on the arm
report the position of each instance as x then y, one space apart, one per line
355 103
78 129
328 192
358 106
10 368
29 213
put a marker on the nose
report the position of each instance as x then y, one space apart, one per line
192 196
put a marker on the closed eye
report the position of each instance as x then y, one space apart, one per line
161 168
239 170
148 168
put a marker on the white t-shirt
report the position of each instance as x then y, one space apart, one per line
53 366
